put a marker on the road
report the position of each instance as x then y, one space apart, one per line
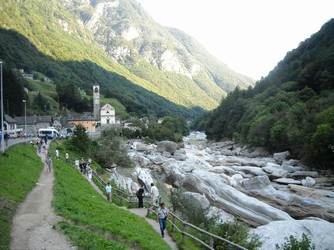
13 141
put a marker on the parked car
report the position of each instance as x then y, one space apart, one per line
62 136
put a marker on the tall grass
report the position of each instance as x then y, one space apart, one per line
20 168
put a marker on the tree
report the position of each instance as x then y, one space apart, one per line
322 139
40 104
112 150
13 92
80 140
70 97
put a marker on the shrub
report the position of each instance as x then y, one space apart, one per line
292 243
234 231
112 149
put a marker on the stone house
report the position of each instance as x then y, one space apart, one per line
89 123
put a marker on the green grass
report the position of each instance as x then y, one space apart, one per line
20 169
177 237
91 221
91 218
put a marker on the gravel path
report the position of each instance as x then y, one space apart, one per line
33 222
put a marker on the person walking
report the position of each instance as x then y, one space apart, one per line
108 191
39 146
89 172
76 164
154 193
48 163
82 165
6 137
162 216
140 196
88 165
67 158
57 154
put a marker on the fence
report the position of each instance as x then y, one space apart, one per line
173 218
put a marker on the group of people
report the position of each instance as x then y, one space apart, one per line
41 145
86 168
48 160
141 193
162 211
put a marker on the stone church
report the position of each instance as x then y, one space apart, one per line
106 114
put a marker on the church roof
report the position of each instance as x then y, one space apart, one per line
107 106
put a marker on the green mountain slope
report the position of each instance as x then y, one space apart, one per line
137 39
87 42
290 109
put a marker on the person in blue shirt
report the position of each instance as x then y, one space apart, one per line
162 216
108 191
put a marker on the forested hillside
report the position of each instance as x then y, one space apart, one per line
290 109
115 44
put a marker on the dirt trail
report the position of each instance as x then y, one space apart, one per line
33 222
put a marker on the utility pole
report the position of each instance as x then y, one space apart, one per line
25 117
2 114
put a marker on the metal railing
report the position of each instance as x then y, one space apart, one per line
173 218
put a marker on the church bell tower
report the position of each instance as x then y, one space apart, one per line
96 101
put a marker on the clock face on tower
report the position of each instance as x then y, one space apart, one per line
96 100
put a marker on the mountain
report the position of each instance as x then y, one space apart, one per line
149 68
290 109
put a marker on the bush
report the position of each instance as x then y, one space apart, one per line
112 150
293 244
80 141
236 232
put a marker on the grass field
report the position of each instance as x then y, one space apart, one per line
90 221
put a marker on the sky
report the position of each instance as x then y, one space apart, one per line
250 36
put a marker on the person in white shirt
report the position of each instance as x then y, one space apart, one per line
154 193
57 154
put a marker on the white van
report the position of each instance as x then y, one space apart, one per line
49 132
12 133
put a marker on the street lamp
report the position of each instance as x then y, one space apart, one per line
25 117
2 114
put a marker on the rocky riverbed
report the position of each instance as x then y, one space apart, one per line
266 191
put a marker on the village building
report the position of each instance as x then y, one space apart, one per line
107 115
9 123
89 123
